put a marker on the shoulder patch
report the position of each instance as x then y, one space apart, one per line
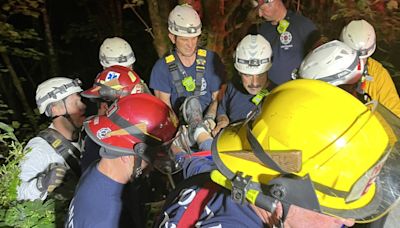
202 52
169 58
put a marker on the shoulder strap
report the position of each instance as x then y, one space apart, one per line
176 70
201 179
176 78
193 212
198 179
200 69
63 147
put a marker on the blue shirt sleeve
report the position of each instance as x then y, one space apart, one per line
312 34
196 165
160 77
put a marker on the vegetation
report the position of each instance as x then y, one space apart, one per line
15 213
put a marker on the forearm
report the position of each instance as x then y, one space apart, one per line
165 97
223 120
28 191
30 168
212 108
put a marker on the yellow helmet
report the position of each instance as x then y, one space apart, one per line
309 128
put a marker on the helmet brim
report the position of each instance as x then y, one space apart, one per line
92 92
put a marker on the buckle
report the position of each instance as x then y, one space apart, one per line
191 30
240 186
122 59
254 62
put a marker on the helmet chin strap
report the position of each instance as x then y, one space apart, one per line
76 132
137 168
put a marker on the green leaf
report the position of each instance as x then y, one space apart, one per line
15 124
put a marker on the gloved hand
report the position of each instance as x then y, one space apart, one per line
51 178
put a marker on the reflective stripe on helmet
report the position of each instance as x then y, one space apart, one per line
59 90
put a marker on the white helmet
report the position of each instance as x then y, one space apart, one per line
333 62
184 21
55 89
116 51
253 55
360 35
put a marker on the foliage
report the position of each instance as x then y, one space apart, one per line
13 40
23 129
15 213
86 30
9 171
28 214
382 15
25 7
5 111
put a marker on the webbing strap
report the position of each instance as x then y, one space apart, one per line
176 78
200 69
196 207
260 153
133 130
177 71
63 147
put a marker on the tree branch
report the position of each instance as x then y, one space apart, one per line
148 28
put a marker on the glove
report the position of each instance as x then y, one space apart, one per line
51 178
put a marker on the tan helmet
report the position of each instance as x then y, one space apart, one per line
116 51
253 55
184 21
360 35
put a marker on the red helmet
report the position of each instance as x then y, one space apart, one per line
132 120
113 83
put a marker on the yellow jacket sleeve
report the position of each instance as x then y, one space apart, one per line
382 88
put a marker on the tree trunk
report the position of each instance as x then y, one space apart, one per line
9 97
158 24
18 86
116 11
216 25
52 58
106 16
